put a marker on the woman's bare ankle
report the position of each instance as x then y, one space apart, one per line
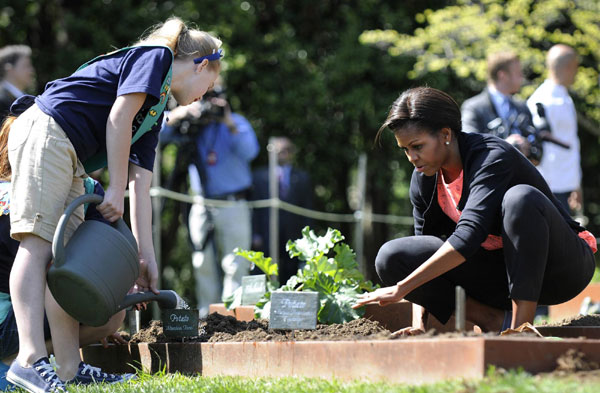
489 319
494 322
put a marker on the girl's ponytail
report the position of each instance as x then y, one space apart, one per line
166 34
5 171
183 41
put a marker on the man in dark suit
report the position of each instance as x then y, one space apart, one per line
294 187
495 111
16 74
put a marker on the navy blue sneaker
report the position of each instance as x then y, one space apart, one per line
5 386
39 378
88 374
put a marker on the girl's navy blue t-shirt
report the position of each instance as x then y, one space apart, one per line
81 103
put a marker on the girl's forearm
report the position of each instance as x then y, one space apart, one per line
117 153
141 210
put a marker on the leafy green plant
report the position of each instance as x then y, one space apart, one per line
330 269
266 265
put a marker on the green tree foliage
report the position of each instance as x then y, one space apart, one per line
459 37
455 40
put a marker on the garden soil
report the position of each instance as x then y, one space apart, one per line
220 328
580 320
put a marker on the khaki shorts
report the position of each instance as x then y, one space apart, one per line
46 176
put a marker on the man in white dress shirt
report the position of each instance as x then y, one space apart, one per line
560 167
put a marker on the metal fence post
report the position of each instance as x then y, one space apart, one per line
359 229
274 196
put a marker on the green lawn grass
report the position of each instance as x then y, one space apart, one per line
494 382
596 277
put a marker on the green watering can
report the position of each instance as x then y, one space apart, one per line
91 276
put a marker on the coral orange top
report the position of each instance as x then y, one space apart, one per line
449 195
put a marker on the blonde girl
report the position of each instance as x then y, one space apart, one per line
107 113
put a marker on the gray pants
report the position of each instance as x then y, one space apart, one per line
232 228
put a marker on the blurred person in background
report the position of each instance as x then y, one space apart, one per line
295 188
560 167
224 144
17 75
495 111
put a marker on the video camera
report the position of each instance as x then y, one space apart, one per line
213 105
535 136
212 110
503 130
544 131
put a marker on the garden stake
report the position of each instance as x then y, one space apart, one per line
461 306
134 321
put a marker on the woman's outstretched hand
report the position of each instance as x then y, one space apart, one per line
408 331
381 296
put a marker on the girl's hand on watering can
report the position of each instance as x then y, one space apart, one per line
148 276
138 306
113 205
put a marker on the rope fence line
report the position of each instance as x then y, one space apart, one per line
275 202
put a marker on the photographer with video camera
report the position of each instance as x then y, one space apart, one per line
554 111
224 144
495 111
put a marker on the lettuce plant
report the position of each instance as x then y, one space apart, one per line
330 268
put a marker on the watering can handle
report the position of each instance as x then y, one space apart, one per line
58 244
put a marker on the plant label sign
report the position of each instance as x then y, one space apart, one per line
294 310
253 288
180 323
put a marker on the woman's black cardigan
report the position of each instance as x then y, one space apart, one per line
491 166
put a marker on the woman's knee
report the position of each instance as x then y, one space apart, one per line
384 259
397 258
521 199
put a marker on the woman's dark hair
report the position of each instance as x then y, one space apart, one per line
423 107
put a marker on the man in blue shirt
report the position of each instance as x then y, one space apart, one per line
225 145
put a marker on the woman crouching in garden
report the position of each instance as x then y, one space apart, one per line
484 219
